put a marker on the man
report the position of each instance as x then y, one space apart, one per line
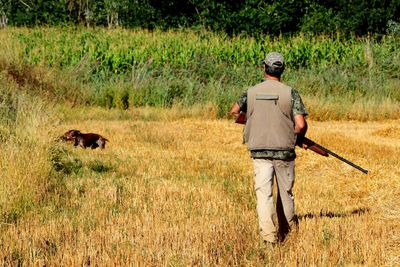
275 122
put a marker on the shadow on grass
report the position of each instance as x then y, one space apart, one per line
356 212
284 227
99 166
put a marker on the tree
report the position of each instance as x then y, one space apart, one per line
5 6
81 11
251 17
360 17
113 9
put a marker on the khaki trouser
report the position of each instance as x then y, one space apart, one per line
264 171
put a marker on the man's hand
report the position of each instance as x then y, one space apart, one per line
235 110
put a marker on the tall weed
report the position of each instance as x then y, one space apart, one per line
26 171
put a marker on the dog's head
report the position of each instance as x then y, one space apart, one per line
71 135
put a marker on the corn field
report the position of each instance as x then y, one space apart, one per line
120 50
122 68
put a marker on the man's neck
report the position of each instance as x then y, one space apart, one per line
269 77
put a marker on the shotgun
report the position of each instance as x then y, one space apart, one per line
326 152
241 119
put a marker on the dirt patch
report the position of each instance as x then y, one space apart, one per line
29 78
32 79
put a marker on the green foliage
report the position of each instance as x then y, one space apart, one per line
62 162
121 52
248 17
8 114
123 69
19 207
393 28
99 166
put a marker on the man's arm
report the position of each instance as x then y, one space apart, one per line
299 114
239 106
300 125
300 128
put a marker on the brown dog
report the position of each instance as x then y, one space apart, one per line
91 140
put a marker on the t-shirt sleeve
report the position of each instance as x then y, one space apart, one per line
298 105
242 102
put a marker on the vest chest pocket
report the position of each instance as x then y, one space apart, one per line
267 97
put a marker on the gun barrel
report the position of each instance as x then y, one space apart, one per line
341 158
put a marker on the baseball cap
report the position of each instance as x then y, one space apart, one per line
274 59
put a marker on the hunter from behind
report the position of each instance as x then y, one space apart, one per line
275 117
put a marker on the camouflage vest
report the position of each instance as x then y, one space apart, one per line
269 123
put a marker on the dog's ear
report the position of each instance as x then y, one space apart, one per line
74 133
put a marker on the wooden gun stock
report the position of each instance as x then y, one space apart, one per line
241 119
313 146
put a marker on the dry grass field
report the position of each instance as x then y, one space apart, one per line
175 189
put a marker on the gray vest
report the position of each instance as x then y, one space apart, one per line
270 122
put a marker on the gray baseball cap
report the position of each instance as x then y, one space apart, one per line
274 59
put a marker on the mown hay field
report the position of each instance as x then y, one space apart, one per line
175 188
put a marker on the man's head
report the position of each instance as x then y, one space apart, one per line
274 64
